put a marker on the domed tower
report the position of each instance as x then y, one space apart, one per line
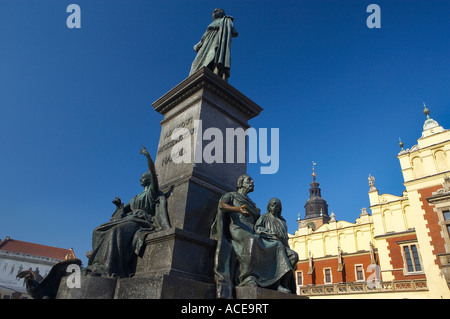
316 208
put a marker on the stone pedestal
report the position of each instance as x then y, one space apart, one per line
175 264
90 288
201 102
262 293
163 287
178 263
178 252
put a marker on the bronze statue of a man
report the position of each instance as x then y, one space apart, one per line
233 230
214 49
251 251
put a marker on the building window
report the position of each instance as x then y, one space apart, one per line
359 272
411 258
446 215
299 278
327 276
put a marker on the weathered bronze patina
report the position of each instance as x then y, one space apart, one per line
214 49
115 244
251 249
273 228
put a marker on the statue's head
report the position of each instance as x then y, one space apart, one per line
218 13
245 182
274 207
145 179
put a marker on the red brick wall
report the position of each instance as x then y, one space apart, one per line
351 261
395 252
431 217
348 275
304 268
319 266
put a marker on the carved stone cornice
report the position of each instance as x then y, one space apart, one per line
207 80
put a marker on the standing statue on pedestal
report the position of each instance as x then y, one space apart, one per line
214 49
245 257
116 243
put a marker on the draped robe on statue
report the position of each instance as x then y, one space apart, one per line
243 257
116 243
274 228
214 49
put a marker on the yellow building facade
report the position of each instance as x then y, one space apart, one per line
401 249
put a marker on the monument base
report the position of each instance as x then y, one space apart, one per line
143 287
90 288
176 264
163 287
178 252
263 293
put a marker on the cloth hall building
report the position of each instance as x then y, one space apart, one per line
400 250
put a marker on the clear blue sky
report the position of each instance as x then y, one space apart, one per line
76 103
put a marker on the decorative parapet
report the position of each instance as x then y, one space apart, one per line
29 258
364 288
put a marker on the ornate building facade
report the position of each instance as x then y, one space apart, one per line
401 250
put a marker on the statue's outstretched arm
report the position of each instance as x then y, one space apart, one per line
151 169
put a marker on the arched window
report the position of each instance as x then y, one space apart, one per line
418 167
441 161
